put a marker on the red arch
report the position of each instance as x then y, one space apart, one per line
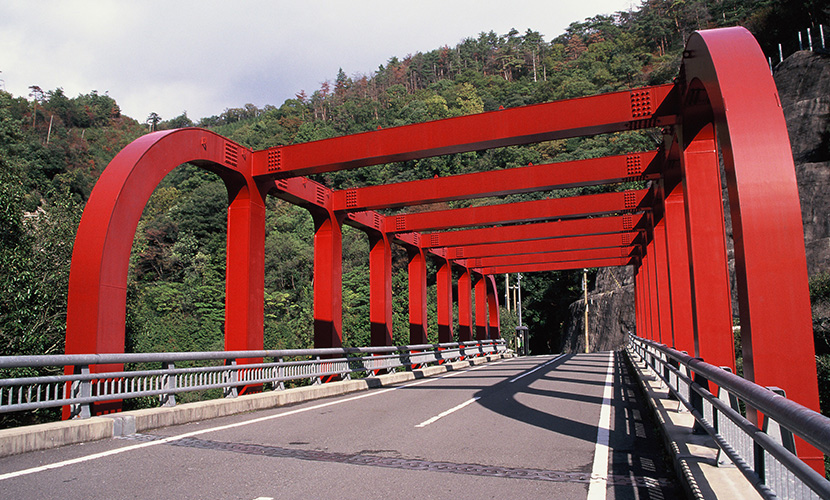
770 261
100 260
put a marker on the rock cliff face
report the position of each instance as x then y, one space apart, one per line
803 82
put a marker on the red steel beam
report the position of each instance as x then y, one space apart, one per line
527 232
481 308
537 210
614 112
543 245
546 177
540 258
557 266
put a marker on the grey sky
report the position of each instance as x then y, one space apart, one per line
205 56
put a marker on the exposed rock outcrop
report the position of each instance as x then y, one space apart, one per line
803 82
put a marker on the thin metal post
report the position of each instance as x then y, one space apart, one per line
800 42
585 297
780 53
821 31
169 382
810 39
232 392
82 389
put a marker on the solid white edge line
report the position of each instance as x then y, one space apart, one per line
598 487
445 413
57 465
533 370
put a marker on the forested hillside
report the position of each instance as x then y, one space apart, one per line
53 147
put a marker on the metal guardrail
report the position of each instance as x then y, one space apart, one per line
85 385
765 456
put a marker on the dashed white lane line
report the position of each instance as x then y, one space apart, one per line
445 413
598 487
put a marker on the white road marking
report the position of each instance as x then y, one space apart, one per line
57 465
533 370
599 473
445 413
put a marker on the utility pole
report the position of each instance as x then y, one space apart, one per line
585 296
507 291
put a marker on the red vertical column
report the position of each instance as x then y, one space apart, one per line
678 257
444 284
465 314
494 316
663 282
380 289
245 271
417 296
639 324
711 295
481 308
654 305
328 280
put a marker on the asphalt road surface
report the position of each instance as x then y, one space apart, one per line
510 429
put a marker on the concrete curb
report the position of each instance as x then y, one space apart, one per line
695 456
55 434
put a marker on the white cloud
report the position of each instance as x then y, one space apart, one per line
205 56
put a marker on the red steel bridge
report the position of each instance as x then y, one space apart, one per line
722 108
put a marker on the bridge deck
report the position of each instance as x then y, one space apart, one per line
517 428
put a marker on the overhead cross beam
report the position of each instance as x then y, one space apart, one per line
614 112
533 178
537 210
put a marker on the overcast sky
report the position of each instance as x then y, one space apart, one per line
203 56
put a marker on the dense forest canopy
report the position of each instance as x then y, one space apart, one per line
53 147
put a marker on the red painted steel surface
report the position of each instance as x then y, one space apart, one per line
328 279
523 232
542 245
494 319
100 260
770 262
380 289
677 251
556 266
417 296
712 302
444 307
537 210
465 313
553 257
481 307
500 182
663 282
606 113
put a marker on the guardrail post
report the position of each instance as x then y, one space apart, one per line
81 389
169 383
232 392
696 399
773 429
281 373
317 380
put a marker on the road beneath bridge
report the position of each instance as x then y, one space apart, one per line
515 428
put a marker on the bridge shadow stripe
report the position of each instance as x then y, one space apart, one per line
406 464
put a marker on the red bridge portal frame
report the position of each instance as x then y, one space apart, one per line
724 102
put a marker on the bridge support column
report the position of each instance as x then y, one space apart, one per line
481 307
712 301
245 281
380 289
465 314
663 280
678 257
494 316
328 279
654 301
444 283
417 296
